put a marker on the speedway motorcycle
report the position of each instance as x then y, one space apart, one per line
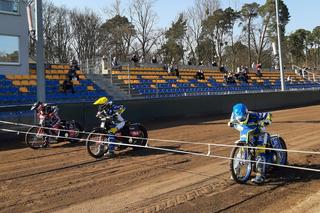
131 133
51 129
244 156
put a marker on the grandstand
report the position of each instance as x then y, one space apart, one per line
155 82
22 89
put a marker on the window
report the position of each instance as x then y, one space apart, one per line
9 50
9 6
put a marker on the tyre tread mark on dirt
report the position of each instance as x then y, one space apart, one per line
68 167
42 156
132 169
195 190
249 198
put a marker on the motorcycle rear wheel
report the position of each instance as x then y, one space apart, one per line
35 138
77 129
240 165
95 146
144 137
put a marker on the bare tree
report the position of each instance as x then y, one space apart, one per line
144 18
85 27
195 16
114 9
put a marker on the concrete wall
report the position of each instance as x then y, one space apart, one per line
16 25
175 108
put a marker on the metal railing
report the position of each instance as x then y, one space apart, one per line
306 74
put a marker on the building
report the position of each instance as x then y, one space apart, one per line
14 38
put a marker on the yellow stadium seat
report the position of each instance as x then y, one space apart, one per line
10 77
82 77
16 83
24 83
153 86
60 72
23 89
33 83
54 72
90 88
55 77
33 77
54 66
48 72
76 82
49 77
18 77
33 71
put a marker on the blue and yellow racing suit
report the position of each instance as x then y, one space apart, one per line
252 131
114 112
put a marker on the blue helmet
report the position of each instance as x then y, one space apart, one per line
240 112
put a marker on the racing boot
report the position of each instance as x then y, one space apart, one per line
260 166
259 179
110 154
111 147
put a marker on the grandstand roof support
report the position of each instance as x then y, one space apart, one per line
279 49
41 87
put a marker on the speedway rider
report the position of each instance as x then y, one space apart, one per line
256 121
107 108
48 114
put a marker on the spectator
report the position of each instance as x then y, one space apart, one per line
154 60
189 62
253 66
73 70
230 78
135 60
176 70
115 63
165 67
214 64
200 75
67 85
222 69
289 79
201 63
258 70
258 73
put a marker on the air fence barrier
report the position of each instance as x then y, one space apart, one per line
169 109
147 146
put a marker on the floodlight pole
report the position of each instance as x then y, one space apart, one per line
279 49
41 83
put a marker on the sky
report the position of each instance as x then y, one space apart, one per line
304 13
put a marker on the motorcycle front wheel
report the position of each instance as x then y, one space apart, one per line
35 138
95 143
240 164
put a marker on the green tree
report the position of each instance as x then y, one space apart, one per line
117 34
248 13
269 25
173 48
216 28
316 37
297 45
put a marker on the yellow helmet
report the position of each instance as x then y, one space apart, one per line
100 101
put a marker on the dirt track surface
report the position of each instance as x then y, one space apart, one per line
64 178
